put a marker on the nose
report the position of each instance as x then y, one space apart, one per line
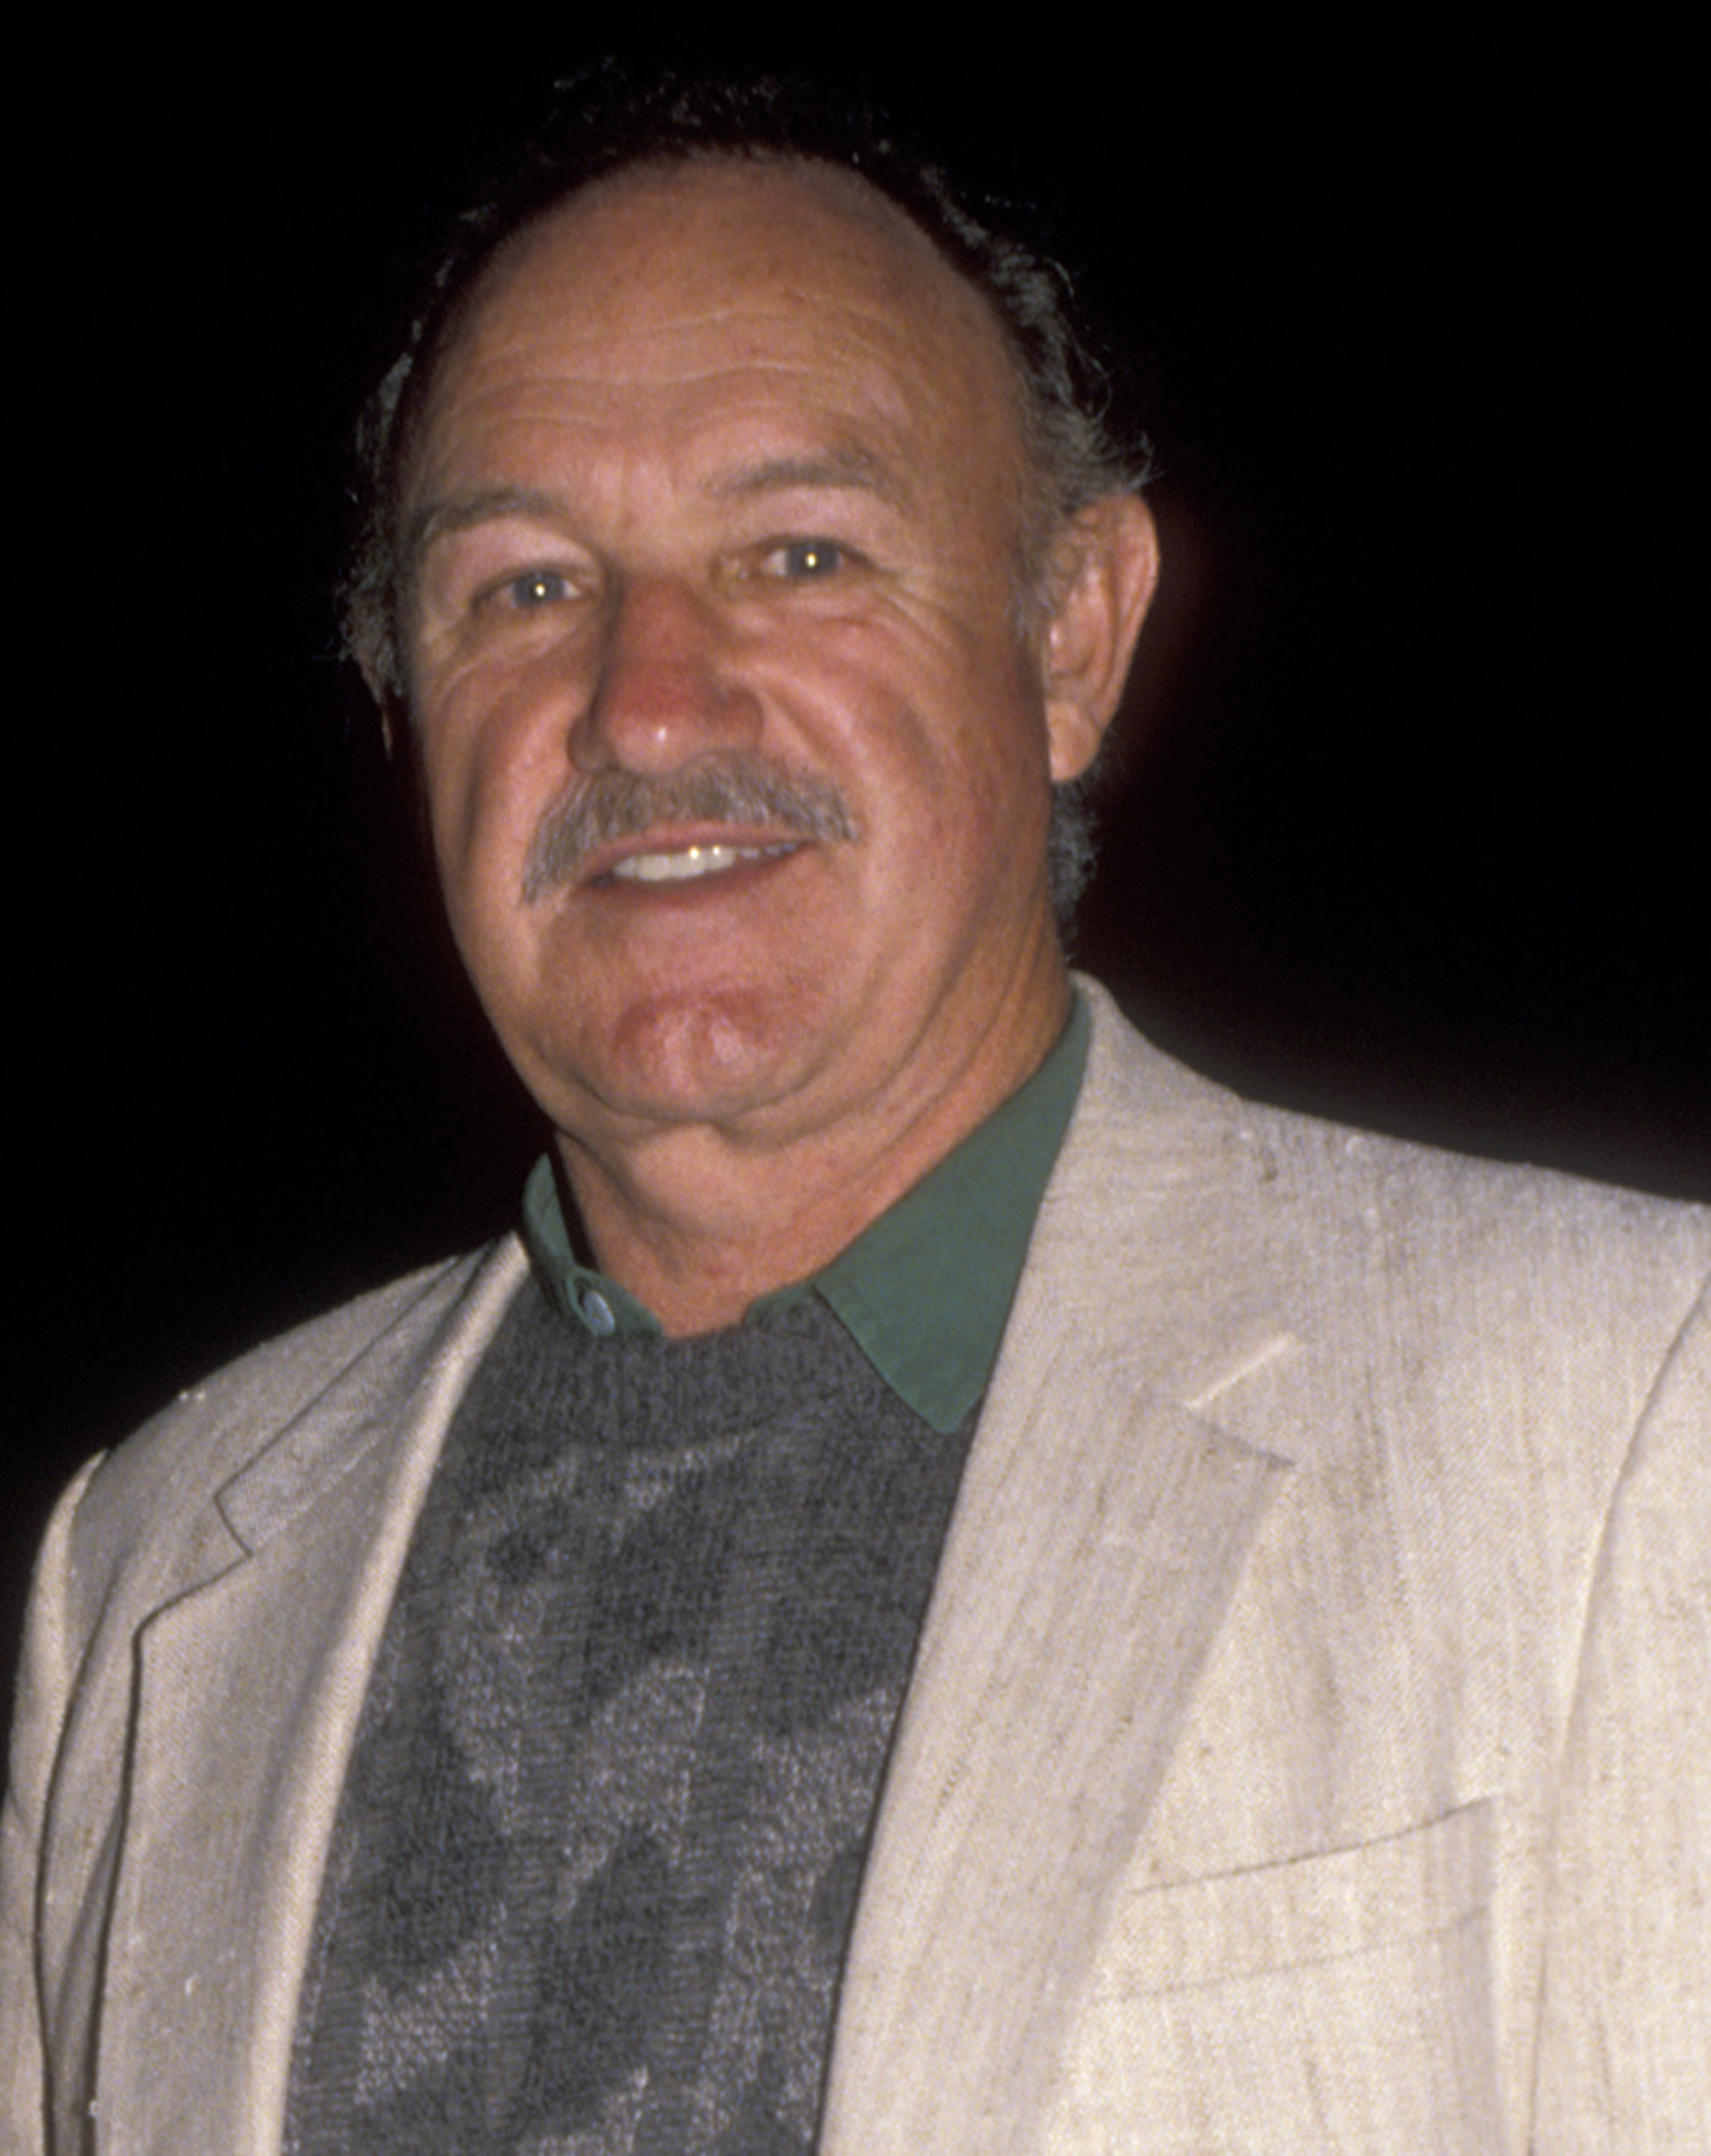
665 690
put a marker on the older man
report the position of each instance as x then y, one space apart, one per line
959 1588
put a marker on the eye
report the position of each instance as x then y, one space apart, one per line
799 561
533 588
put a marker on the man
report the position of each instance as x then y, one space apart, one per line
961 1588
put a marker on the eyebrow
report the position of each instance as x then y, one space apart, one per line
457 512
851 466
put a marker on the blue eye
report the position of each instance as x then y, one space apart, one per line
809 557
537 587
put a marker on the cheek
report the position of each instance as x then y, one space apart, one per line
492 767
985 757
936 706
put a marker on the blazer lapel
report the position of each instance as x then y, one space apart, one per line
1050 1691
249 1691
1099 1536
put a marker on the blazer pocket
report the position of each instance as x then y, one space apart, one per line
1308 1909
1337 2005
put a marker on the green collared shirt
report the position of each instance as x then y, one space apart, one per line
924 1290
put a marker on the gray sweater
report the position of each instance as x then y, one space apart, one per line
598 1850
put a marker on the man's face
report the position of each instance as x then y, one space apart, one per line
737 759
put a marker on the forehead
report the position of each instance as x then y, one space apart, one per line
721 283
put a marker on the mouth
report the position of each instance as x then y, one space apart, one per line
686 863
736 816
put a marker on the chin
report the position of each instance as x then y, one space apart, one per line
677 1057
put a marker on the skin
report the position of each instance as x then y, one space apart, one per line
725 463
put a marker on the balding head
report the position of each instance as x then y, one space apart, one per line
1075 450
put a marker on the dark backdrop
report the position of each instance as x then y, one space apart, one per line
1407 823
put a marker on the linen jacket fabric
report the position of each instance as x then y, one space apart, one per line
1307 1750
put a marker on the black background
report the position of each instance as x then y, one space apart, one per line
1408 820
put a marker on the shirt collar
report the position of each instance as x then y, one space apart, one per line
926 1289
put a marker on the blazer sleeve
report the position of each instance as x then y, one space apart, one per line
45 1685
1623 2065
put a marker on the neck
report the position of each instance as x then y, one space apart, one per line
699 1221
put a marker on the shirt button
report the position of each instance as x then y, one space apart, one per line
597 1314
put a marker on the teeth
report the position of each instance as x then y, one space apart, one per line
691 861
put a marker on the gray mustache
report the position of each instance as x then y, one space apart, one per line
625 804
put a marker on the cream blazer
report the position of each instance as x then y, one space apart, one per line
1308 1753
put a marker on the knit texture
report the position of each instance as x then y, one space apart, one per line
596 1854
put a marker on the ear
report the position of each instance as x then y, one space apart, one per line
1104 568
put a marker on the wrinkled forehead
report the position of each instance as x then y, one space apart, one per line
820 263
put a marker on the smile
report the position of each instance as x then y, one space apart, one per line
687 862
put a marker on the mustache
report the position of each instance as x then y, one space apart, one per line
736 788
